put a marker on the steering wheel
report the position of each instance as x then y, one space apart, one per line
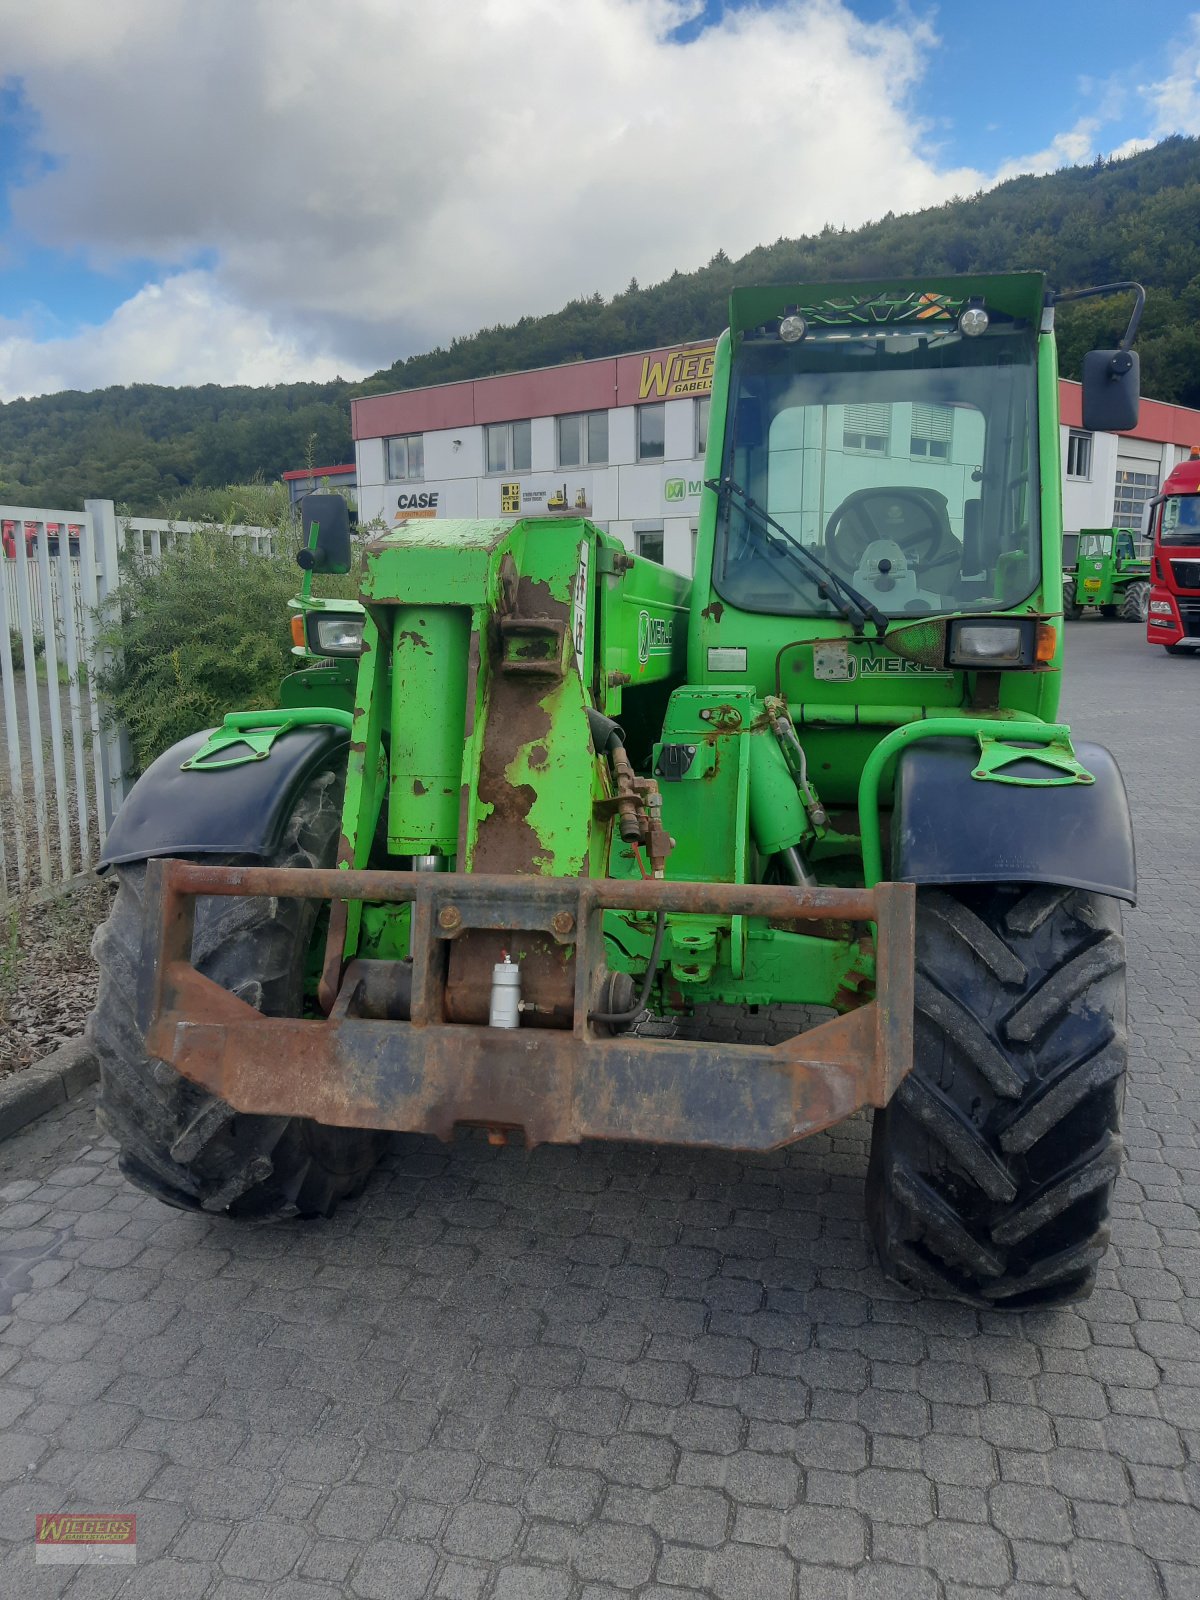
902 515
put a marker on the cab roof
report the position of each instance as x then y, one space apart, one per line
926 300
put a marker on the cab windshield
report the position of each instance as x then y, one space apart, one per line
904 461
1181 519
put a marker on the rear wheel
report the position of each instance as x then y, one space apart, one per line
1135 605
1072 610
992 1169
178 1142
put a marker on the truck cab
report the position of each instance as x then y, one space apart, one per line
1173 620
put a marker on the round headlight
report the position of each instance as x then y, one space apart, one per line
792 328
973 321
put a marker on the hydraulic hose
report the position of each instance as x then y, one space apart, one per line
621 1018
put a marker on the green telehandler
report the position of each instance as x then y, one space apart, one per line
534 811
1103 568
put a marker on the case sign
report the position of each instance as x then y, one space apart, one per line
421 504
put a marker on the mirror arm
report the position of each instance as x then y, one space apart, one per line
1106 289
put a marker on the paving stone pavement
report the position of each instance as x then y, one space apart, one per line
587 1374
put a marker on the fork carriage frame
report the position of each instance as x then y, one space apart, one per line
422 1074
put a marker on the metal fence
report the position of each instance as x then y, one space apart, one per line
66 766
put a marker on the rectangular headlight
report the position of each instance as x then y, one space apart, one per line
335 633
1160 608
992 643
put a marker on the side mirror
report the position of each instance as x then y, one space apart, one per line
1111 381
331 551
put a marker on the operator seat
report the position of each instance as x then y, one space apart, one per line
915 518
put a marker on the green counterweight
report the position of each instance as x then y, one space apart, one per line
430 649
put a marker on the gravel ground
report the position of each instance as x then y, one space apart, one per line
47 979
47 976
585 1374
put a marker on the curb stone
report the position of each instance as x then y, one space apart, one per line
28 1094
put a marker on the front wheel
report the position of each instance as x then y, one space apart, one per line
1072 610
177 1141
1135 606
992 1168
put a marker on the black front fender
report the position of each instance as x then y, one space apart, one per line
240 810
950 827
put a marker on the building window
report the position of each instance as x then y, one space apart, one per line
405 457
1133 492
648 541
508 446
583 439
932 427
702 406
1079 455
651 432
867 429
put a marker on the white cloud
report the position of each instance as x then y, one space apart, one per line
1070 148
181 331
366 179
375 176
1176 100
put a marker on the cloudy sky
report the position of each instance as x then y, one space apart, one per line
254 191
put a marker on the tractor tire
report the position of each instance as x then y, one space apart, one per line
1072 610
992 1169
1135 604
178 1142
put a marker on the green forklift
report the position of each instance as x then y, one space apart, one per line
536 817
1104 570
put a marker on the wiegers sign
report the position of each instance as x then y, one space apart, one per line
672 374
678 373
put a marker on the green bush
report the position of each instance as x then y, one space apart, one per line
17 645
198 633
256 505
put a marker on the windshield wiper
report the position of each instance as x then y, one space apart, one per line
845 599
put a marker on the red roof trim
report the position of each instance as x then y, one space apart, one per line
1158 420
606 381
595 385
316 472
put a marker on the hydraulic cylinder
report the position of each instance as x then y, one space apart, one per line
430 648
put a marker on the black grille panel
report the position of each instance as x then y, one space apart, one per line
1187 574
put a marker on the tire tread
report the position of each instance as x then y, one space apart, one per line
177 1141
992 1168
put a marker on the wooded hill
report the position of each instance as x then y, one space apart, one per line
1135 218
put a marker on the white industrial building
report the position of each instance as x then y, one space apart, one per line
621 441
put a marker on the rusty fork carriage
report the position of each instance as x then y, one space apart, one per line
385 1057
